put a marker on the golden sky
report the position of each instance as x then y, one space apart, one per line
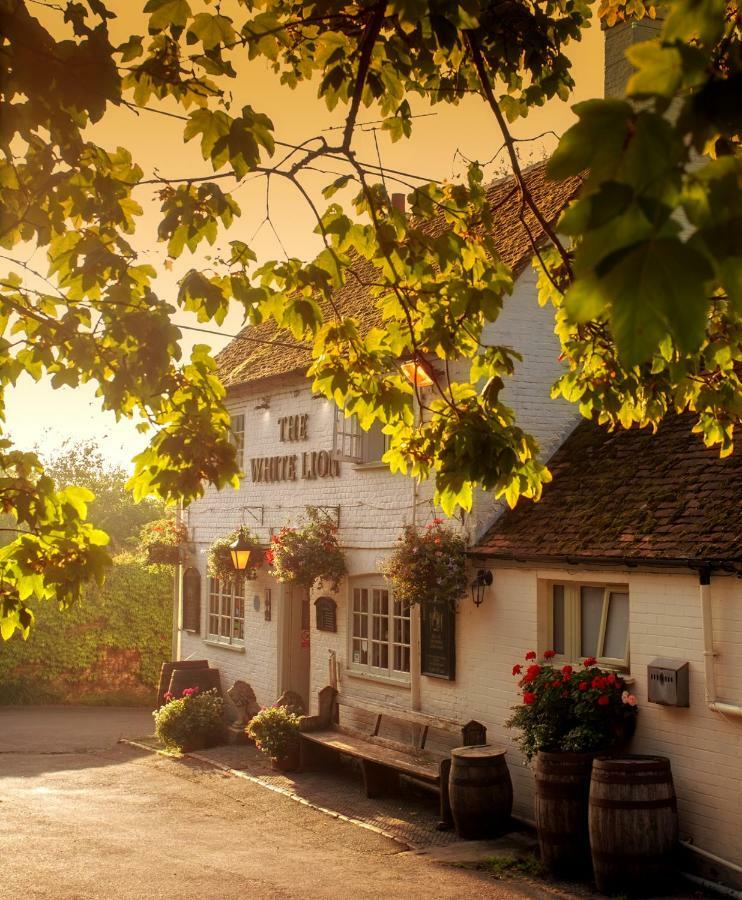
39 415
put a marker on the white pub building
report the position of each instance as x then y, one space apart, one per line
633 554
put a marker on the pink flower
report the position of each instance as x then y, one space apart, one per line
167 696
531 654
549 654
631 700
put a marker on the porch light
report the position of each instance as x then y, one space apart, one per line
417 372
240 551
479 585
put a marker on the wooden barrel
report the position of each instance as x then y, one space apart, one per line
480 791
204 679
166 673
633 823
562 790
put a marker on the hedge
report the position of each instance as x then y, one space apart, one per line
108 649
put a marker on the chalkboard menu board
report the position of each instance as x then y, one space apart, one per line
191 600
326 614
438 641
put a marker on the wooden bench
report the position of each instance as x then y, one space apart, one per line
384 760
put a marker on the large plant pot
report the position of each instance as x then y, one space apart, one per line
561 807
633 824
288 762
480 791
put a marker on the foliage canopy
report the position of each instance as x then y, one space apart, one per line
648 312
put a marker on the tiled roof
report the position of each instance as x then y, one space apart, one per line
630 496
244 360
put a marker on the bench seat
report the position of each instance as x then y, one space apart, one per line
382 760
415 765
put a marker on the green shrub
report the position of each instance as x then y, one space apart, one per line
275 730
192 721
68 654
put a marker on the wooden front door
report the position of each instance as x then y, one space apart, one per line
296 653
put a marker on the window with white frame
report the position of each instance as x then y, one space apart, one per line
380 631
237 436
590 619
227 611
351 442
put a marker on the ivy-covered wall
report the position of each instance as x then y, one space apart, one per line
106 650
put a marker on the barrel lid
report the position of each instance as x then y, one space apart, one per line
479 751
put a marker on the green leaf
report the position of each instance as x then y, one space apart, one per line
166 13
655 286
660 70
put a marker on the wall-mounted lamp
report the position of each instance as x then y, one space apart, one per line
265 403
240 551
479 585
418 372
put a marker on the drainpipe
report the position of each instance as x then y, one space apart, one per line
177 581
727 709
415 657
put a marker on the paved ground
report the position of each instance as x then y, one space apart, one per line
82 817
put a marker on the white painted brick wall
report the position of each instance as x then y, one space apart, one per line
374 504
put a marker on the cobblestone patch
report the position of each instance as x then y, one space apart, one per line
410 818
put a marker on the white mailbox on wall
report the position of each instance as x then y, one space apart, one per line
668 682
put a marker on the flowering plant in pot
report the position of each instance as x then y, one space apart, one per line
580 710
568 714
275 730
428 566
192 721
162 540
308 554
219 559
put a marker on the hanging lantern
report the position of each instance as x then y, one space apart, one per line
240 551
479 585
417 372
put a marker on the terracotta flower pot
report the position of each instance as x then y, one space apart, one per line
288 762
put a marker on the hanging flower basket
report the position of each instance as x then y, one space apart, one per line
163 541
428 566
219 561
309 554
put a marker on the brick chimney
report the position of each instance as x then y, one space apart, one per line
398 202
618 39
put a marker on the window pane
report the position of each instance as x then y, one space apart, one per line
617 626
213 624
591 610
380 656
375 441
557 618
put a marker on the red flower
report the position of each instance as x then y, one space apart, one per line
549 654
590 661
603 700
565 693
269 557
517 669
611 679
582 685
529 697
532 672
566 670
598 682
531 654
